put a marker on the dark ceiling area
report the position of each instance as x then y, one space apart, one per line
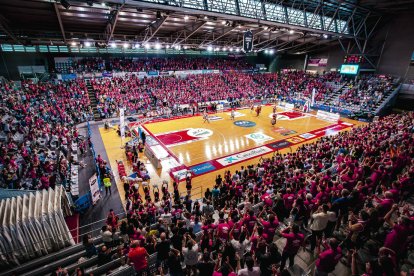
70 22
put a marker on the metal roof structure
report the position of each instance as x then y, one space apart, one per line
294 26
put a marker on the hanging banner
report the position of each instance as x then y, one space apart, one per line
122 122
248 41
94 187
317 62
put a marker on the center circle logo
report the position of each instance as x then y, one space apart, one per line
244 123
199 132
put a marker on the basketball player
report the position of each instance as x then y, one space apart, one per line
273 121
258 110
274 109
251 108
232 115
205 117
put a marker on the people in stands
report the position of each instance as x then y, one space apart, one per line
326 209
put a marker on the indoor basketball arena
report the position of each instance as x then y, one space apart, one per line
207 137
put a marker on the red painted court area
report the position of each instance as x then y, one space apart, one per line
176 137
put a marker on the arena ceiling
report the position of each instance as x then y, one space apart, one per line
294 26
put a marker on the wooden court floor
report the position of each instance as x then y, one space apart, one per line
223 144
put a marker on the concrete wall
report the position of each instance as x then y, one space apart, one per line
399 45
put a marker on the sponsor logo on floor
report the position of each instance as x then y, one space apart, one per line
235 158
279 145
237 114
258 137
200 132
244 123
202 168
284 131
215 118
295 140
307 135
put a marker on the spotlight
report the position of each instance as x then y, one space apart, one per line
157 46
158 15
223 22
73 43
205 17
325 36
147 46
224 49
136 46
231 49
113 45
210 48
186 17
265 27
103 4
266 51
65 4
271 51
87 44
237 50
185 47
291 31
167 46
126 45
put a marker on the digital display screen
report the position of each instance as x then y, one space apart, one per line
353 59
350 69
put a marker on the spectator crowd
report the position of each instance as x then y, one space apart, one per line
346 200
38 128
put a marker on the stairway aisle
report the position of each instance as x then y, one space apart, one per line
94 101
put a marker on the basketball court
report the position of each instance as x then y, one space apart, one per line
211 148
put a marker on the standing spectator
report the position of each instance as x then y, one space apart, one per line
190 254
320 221
89 246
107 184
328 259
294 240
106 234
205 266
138 256
163 249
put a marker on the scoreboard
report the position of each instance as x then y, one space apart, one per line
353 59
